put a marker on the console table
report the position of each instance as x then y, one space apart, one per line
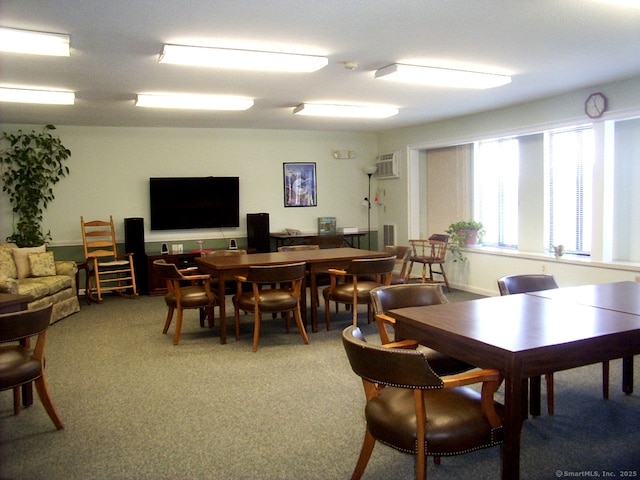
339 239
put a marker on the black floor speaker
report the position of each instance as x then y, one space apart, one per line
258 232
134 243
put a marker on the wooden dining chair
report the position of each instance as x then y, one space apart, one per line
284 296
403 254
513 284
352 285
20 364
413 295
411 409
187 289
431 253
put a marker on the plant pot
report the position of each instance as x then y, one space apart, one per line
470 236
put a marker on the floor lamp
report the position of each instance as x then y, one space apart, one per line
369 170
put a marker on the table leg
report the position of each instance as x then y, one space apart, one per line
223 307
534 396
514 403
314 297
627 375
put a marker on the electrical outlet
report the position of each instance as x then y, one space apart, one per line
544 268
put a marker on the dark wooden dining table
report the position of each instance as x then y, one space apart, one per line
525 335
226 267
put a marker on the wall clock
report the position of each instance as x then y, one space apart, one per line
595 105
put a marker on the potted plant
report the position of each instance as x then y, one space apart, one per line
462 234
30 164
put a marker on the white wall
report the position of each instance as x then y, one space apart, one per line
482 269
110 170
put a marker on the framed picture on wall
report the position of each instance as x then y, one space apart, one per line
300 185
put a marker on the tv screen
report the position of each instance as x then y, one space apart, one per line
180 203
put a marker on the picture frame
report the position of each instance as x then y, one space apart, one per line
300 184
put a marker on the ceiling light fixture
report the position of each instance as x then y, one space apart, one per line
35 43
348 111
193 102
47 97
441 76
241 59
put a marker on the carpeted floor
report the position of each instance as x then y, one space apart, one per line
137 407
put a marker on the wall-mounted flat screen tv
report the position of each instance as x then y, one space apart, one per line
179 203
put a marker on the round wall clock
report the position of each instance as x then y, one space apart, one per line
595 105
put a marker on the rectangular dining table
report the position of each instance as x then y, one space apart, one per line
225 267
523 336
618 296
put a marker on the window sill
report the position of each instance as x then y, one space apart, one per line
566 259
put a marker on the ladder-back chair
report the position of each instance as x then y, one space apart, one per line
108 271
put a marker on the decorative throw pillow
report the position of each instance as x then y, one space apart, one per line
42 264
7 265
21 257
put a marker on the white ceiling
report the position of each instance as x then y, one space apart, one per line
548 46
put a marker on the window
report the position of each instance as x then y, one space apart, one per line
495 177
568 170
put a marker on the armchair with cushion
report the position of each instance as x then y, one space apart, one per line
352 285
187 290
20 364
410 408
283 298
413 295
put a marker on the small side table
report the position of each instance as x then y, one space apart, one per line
83 266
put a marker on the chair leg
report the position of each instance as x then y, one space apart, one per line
327 313
605 380
365 455
354 314
176 335
298 317
45 398
167 322
256 330
237 321
550 402
444 275
287 322
17 399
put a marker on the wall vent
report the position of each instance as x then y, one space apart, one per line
389 234
387 166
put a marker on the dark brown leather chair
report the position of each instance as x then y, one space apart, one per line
190 291
413 295
429 253
352 286
411 409
284 298
19 364
513 284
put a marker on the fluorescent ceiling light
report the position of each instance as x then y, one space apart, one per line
351 111
36 43
49 97
441 76
241 59
193 102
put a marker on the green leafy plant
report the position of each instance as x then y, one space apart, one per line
30 164
459 232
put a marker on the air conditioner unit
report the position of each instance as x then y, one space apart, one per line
387 166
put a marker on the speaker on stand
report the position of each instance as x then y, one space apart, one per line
258 232
134 243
